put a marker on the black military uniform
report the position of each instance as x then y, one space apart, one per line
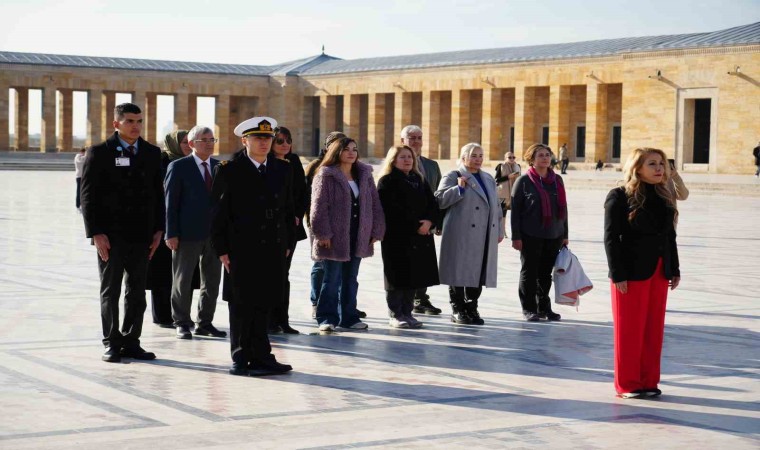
122 198
253 224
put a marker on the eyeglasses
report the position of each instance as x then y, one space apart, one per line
280 141
510 157
207 141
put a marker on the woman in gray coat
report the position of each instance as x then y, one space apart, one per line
471 231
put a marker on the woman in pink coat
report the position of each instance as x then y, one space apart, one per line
346 220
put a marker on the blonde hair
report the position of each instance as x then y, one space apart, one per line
467 150
634 187
530 154
390 160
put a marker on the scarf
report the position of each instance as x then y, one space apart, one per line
171 144
546 207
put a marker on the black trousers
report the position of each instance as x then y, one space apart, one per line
278 316
130 259
564 164
248 333
400 302
161 304
79 189
537 257
464 298
421 294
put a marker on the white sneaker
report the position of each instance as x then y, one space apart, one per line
398 323
413 323
327 327
358 326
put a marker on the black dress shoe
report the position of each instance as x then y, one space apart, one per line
552 316
362 314
287 329
268 367
274 329
475 317
111 354
137 353
183 332
531 316
461 317
239 369
209 330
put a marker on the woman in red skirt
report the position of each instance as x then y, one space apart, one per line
640 240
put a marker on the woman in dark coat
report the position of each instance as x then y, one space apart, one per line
159 279
282 148
409 259
640 240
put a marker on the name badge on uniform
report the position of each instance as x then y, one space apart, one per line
122 162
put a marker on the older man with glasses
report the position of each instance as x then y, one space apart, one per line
188 229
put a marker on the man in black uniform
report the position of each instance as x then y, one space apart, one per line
123 210
252 224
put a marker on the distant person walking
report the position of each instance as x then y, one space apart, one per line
506 175
756 154
78 166
563 159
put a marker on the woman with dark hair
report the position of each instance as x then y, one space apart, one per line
282 148
346 220
409 261
640 241
539 230
159 279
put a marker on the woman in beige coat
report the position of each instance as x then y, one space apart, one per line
506 174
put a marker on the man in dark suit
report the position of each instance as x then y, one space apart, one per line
411 136
252 225
188 225
123 210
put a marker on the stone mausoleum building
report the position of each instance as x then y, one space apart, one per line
696 96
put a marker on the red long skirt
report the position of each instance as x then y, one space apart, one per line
639 326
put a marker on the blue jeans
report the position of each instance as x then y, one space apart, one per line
337 298
317 274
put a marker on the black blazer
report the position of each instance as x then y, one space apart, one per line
123 201
299 193
252 222
633 249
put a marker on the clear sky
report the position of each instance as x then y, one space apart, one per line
266 33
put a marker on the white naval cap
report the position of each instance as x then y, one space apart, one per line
256 126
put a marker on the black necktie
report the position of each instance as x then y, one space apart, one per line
262 169
131 150
206 176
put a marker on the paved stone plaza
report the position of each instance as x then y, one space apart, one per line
508 384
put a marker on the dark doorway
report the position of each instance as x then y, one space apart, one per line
580 142
702 108
616 136
545 135
511 139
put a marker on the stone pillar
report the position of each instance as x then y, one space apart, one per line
402 115
181 111
431 124
326 115
351 116
147 103
65 119
376 145
596 122
21 110
47 128
460 120
95 124
525 99
192 112
4 116
493 125
222 130
559 117
107 105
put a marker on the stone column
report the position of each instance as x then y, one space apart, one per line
326 116
222 130
493 124
559 117
107 105
460 120
181 111
192 112
94 117
596 122
4 116
376 145
525 99
65 119
431 124
351 116
402 115
21 110
47 128
147 102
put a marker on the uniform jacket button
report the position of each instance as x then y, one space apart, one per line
473 225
